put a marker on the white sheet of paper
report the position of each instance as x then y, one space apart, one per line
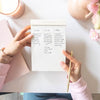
47 44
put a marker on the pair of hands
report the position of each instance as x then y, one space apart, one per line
23 38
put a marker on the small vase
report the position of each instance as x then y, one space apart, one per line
78 9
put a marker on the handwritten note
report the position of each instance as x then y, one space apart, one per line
47 44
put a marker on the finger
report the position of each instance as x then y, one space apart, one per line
24 35
67 61
64 66
78 65
21 33
68 52
72 67
28 44
72 59
25 29
27 34
26 39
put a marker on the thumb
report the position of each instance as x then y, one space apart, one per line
26 39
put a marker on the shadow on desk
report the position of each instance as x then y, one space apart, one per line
85 24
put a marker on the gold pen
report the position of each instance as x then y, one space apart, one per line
69 74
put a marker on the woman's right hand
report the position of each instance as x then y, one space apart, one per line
75 68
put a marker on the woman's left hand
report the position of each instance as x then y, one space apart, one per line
21 40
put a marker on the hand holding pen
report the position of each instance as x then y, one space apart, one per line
75 72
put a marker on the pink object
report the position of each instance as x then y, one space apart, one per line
79 90
94 35
98 31
18 64
92 7
4 68
94 19
18 11
95 1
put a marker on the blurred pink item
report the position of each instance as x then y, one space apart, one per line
93 34
18 64
94 1
98 31
93 7
18 12
96 21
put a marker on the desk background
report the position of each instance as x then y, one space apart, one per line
77 34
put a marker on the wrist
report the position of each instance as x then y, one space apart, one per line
4 58
75 78
78 84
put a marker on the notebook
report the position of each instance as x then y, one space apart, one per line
18 64
47 44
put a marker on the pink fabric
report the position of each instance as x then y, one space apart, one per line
4 68
79 90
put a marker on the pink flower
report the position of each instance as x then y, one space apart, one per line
95 1
92 7
94 35
96 21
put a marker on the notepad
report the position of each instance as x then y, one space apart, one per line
47 44
18 64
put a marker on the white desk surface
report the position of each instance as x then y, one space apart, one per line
85 50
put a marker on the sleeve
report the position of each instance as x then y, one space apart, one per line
4 68
79 90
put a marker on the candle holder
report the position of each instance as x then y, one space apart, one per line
18 12
78 9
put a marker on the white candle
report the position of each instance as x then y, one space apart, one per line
12 8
